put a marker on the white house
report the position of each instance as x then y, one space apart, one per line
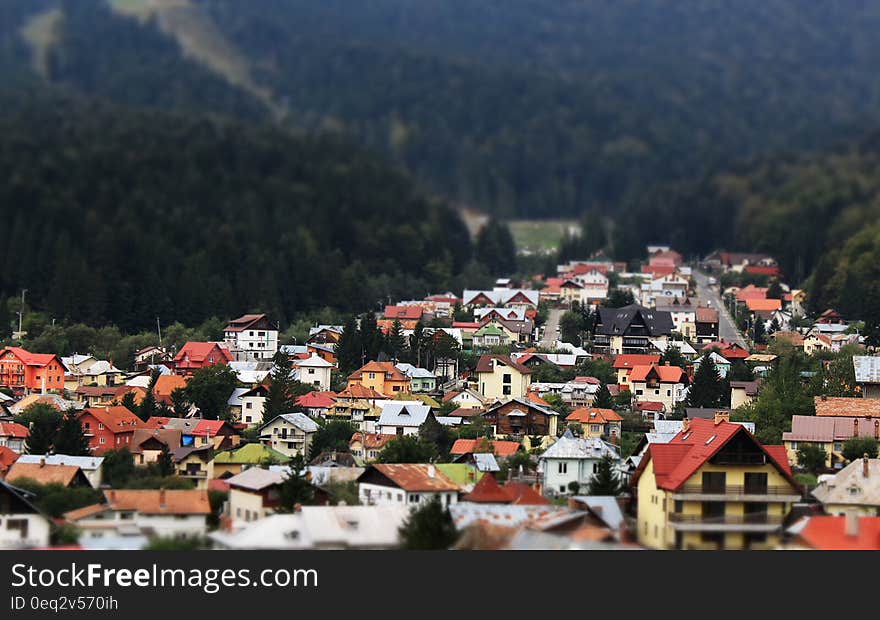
572 459
251 337
91 466
22 525
254 494
402 417
421 379
405 484
252 403
290 433
314 371
161 513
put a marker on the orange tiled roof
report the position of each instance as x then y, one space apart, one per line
149 501
13 429
848 407
666 374
829 533
387 368
593 415
630 360
116 419
497 447
42 473
415 477
763 305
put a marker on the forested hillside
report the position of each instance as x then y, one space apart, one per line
115 215
520 107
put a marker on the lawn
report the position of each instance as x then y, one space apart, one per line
540 236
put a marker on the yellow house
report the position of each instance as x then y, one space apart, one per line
500 378
815 343
384 377
713 486
196 464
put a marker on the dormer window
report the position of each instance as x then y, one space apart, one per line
711 439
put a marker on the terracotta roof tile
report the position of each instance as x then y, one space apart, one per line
631 360
847 407
159 501
593 415
415 477
829 533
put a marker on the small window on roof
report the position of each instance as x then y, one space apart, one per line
711 439
685 436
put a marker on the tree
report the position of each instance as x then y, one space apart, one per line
707 390
496 249
209 390
396 341
70 438
856 447
333 435
165 462
180 403
55 499
603 399
429 527
129 403
407 449
740 371
574 487
280 395
43 422
811 457
759 330
372 339
433 433
672 356
774 290
782 395
349 349
118 467
570 327
148 406
618 298
296 488
605 480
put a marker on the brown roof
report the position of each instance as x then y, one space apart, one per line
171 437
116 419
593 415
751 387
829 428
85 511
372 441
707 315
150 501
390 371
415 477
485 364
42 473
847 407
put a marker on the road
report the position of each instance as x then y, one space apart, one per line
549 338
707 295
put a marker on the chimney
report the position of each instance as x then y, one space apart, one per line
721 416
666 363
824 396
161 498
297 507
685 424
855 427
852 523
876 429
42 463
865 465
431 471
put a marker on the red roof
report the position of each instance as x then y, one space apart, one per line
675 462
33 359
498 447
829 533
466 325
200 352
533 396
116 419
630 360
156 422
666 374
751 292
488 491
659 270
729 350
13 429
218 485
209 428
649 405
8 456
410 313
360 392
762 270
593 415
763 305
315 400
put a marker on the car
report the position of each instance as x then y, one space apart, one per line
713 281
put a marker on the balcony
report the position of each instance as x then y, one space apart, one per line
759 522
195 475
736 493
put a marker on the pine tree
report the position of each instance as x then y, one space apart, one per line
43 422
396 341
605 481
296 489
372 339
129 403
429 527
759 330
280 397
70 439
673 357
165 462
495 248
148 406
349 349
603 398
707 388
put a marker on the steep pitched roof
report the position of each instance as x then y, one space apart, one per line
627 360
33 359
486 363
199 352
315 400
415 477
244 322
829 533
617 321
488 491
116 419
593 415
8 456
847 407
14 430
43 473
149 501
665 374
390 371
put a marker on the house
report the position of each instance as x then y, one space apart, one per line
325 334
847 407
598 422
383 377
251 337
148 444
501 297
763 308
290 434
488 491
421 379
855 488
580 391
161 513
24 525
53 400
483 445
315 371
196 464
24 372
165 385
830 317
683 313
254 494
713 486
316 404
722 365
837 533
465 399
70 476
520 417
743 392
500 378
629 329
728 350
86 370
707 324
196 355
624 364
829 433
102 396
659 384
405 484
233 461
218 434
572 459
367 446
815 343
234 403
489 336
150 356
109 428
320 527
7 459
867 369
402 418
252 403
667 287
92 467
13 436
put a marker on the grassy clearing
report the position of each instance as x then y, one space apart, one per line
540 236
41 33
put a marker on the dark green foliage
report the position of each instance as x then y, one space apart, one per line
70 439
216 499
495 248
165 463
128 401
296 489
856 447
148 407
811 458
571 324
429 527
280 398
43 422
118 467
333 435
740 371
407 449
708 389
56 499
605 480
209 390
603 399
349 349
396 343
574 487
433 433
673 357
618 298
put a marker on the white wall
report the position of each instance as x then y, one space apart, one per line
38 529
378 495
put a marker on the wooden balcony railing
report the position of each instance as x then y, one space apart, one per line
752 519
736 489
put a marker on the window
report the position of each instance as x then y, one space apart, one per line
563 468
372 375
594 428
102 440
669 392
506 378
506 390
562 488
639 392
679 505
714 482
248 405
18 524
100 427
794 445
756 482
595 467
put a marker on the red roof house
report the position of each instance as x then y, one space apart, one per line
109 428
196 355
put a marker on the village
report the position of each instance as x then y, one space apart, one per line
677 406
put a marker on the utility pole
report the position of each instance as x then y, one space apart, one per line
21 312
159 329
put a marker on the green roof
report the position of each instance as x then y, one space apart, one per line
251 454
433 404
460 473
489 329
